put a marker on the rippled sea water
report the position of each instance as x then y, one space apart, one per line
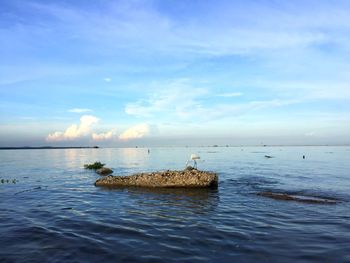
54 213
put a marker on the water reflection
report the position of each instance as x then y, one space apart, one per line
133 157
177 200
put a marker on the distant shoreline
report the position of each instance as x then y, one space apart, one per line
48 147
213 146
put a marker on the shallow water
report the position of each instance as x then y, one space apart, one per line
55 213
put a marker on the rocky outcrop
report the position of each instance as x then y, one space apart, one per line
186 178
104 171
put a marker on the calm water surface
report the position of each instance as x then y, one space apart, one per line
54 213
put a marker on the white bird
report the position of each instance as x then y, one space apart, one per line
193 158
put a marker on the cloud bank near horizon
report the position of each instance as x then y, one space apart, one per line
75 131
85 130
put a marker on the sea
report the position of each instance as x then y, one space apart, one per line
50 210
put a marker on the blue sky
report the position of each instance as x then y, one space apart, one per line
124 73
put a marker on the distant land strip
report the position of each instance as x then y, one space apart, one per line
48 147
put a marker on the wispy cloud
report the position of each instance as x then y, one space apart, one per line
307 90
220 111
231 94
140 25
171 98
79 110
181 101
107 79
75 131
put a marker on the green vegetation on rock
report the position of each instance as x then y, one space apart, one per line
94 166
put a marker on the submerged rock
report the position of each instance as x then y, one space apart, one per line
298 198
187 178
104 171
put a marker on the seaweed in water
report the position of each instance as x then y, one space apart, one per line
94 166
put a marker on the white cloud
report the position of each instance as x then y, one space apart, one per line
75 131
85 130
55 136
135 132
79 110
107 79
104 136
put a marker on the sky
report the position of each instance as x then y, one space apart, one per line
174 73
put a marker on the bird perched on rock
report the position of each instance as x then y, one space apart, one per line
193 158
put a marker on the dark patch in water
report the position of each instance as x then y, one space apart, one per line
253 181
298 198
251 184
